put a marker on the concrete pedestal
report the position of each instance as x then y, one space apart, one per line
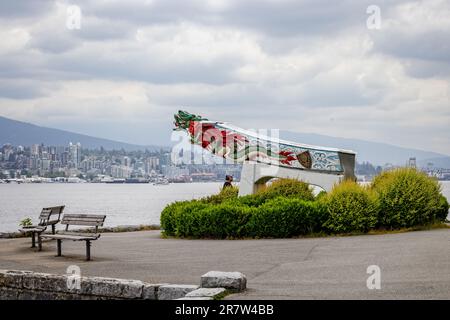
255 175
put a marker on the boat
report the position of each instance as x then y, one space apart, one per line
136 180
115 181
161 182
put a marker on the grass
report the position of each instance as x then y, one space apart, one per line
222 295
432 226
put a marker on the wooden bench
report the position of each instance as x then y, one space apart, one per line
49 217
78 220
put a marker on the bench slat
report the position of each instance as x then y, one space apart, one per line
82 219
70 237
55 210
89 216
79 234
32 229
82 223
92 220
45 214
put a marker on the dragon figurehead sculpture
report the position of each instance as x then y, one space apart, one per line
239 145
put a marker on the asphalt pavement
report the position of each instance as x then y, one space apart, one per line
413 265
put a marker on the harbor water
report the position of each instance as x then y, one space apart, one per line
124 204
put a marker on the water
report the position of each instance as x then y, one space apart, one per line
124 204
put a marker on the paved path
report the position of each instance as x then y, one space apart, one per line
413 265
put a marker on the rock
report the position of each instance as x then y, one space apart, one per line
12 278
8 293
37 295
234 281
45 282
174 291
109 287
150 291
206 292
132 289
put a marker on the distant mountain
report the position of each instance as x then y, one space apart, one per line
26 134
375 152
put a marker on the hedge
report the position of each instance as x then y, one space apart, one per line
286 217
290 188
351 208
407 198
287 208
442 212
279 217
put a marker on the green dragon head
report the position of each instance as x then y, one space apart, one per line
183 120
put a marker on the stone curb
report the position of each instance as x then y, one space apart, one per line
27 285
206 293
233 281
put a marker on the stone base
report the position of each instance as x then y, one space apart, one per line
255 175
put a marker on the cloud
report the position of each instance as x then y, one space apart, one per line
23 8
303 65
22 89
417 32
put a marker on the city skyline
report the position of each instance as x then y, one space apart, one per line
101 165
50 161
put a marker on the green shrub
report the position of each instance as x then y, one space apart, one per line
280 217
251 200
211 221
287 208
351 207
286 217
442 212
321 195
225 194
290 188
407 198
26 222
172 213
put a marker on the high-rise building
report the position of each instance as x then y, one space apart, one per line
126 161
75 154
151 163
35 150
165 159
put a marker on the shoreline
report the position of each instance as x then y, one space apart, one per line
117 229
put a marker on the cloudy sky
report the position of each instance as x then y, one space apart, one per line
300 65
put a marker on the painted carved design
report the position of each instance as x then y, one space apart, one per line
305 159
233 144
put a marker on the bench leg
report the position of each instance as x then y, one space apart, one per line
39 242
53 229
33 239
58 242
88 250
